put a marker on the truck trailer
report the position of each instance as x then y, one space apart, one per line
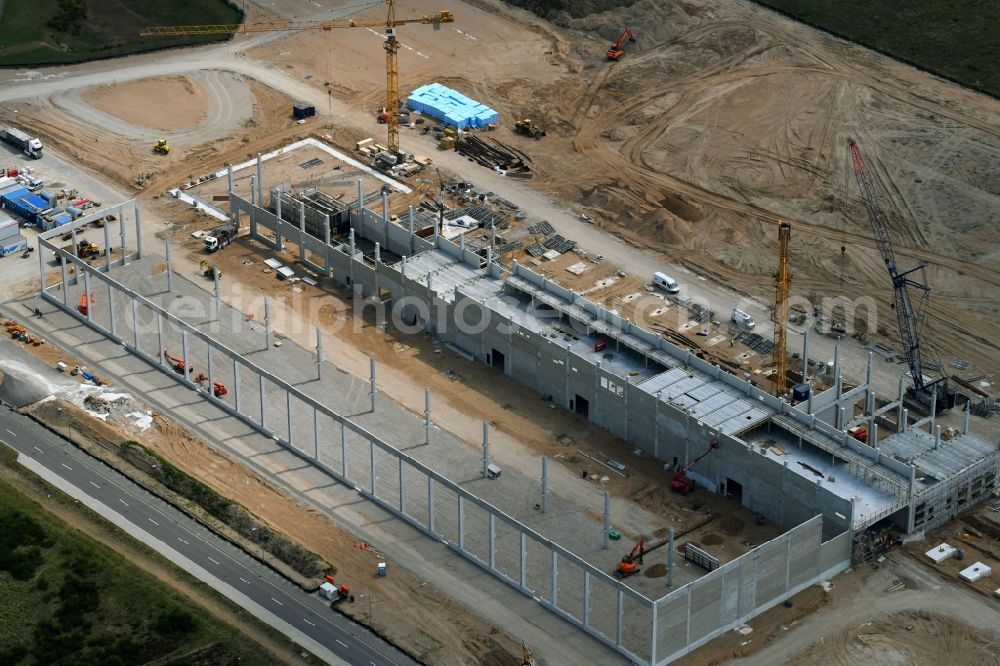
31 146
222 236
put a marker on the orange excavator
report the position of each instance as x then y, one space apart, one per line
218 388
630 563
617 49
178 363
680 482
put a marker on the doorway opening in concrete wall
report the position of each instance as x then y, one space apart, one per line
495 359
734 489
581 406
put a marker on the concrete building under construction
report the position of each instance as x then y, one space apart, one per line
788 463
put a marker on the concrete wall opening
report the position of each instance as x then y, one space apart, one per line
734 489
496 359
580 405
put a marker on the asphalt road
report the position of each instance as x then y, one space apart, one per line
231 568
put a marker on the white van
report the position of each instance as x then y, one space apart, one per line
665 282
742 318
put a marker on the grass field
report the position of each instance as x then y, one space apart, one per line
37 32
67 599
959 39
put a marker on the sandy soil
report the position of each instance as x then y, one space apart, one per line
164 103
914 639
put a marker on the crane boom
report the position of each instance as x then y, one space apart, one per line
280 25
905 317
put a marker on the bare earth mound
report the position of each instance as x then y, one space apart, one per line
164 103
905 638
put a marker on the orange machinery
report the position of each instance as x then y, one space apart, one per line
617 49
630 563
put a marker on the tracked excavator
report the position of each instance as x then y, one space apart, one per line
617 49
629 565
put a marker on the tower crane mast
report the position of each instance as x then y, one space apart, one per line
782 283
280 25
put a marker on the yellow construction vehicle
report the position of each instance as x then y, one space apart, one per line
527 127
87 250
210 270
162 147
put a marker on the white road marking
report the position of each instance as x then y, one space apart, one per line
183 541
95 485
244 580
308 622
216 561
11 432
276 601
39 450
341 642
123 501
153 521
66 466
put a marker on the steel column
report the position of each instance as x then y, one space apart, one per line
343 449
263 403
522 565
218 296
486 447
302 232
138 231
319 353
427 416
430 504
670 558
554 592
65 284
316 434
371 370
170 267
86 294
371 460
461 523
135 323
236 383
184 355
545 484
111 309
493 541
402 485
107 247
159 337
288 414
267 323
607 517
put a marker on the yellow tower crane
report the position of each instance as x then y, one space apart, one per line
782 283
281 25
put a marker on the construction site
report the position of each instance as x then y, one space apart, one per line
623 359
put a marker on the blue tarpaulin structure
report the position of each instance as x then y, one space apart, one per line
451 107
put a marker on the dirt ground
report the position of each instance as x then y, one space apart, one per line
163 103
915 639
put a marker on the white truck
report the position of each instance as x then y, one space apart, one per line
31 146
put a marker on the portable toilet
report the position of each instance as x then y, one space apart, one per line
381 569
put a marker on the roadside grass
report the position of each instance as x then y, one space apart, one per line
40 32
66 598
